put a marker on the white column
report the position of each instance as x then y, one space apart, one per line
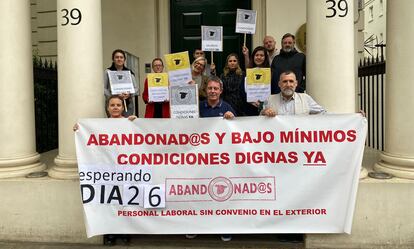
330 62
330 72
398 156
18 155
80 75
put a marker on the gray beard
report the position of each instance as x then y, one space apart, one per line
288 92
287 50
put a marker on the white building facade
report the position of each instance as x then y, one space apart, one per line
374 26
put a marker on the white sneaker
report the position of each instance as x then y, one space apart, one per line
226 237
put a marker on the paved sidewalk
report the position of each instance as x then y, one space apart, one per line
171 241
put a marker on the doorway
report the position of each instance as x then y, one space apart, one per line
187 17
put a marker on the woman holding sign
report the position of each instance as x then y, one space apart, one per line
118 64
259 58
155 109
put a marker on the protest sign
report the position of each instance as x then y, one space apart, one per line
288 174
212 38
246 21
158 87
257 84
121 82
179 70
184 101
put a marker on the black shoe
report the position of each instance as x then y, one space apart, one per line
290 238
126 238
109 239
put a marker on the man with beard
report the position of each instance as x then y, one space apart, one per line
289 102
289 59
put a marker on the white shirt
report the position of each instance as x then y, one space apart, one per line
298 104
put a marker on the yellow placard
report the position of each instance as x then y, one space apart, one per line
157 79
258 76
177 61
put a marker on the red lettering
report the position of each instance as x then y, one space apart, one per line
103 139
205 138
293 157
339 136
121 159
114 140
183 138
92 140
225 158
235 138
214 158
220 137
308 156
351 135
281 158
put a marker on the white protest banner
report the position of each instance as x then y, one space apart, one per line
288 174
257 84
179 70
184 101
246 21
212 38
121 82
158 87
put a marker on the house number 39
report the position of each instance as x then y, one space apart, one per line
72 17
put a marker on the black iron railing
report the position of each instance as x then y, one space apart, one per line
371 74
46 104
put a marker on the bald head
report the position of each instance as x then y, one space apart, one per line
269 43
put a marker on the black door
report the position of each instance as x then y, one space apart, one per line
187 17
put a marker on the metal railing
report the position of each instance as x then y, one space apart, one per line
46 104
371 74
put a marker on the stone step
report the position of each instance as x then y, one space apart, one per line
172 241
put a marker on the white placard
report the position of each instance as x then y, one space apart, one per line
158 90
179 68
257 93
212 38
184 101
257 84
158 94
246 21
121 82
180 77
